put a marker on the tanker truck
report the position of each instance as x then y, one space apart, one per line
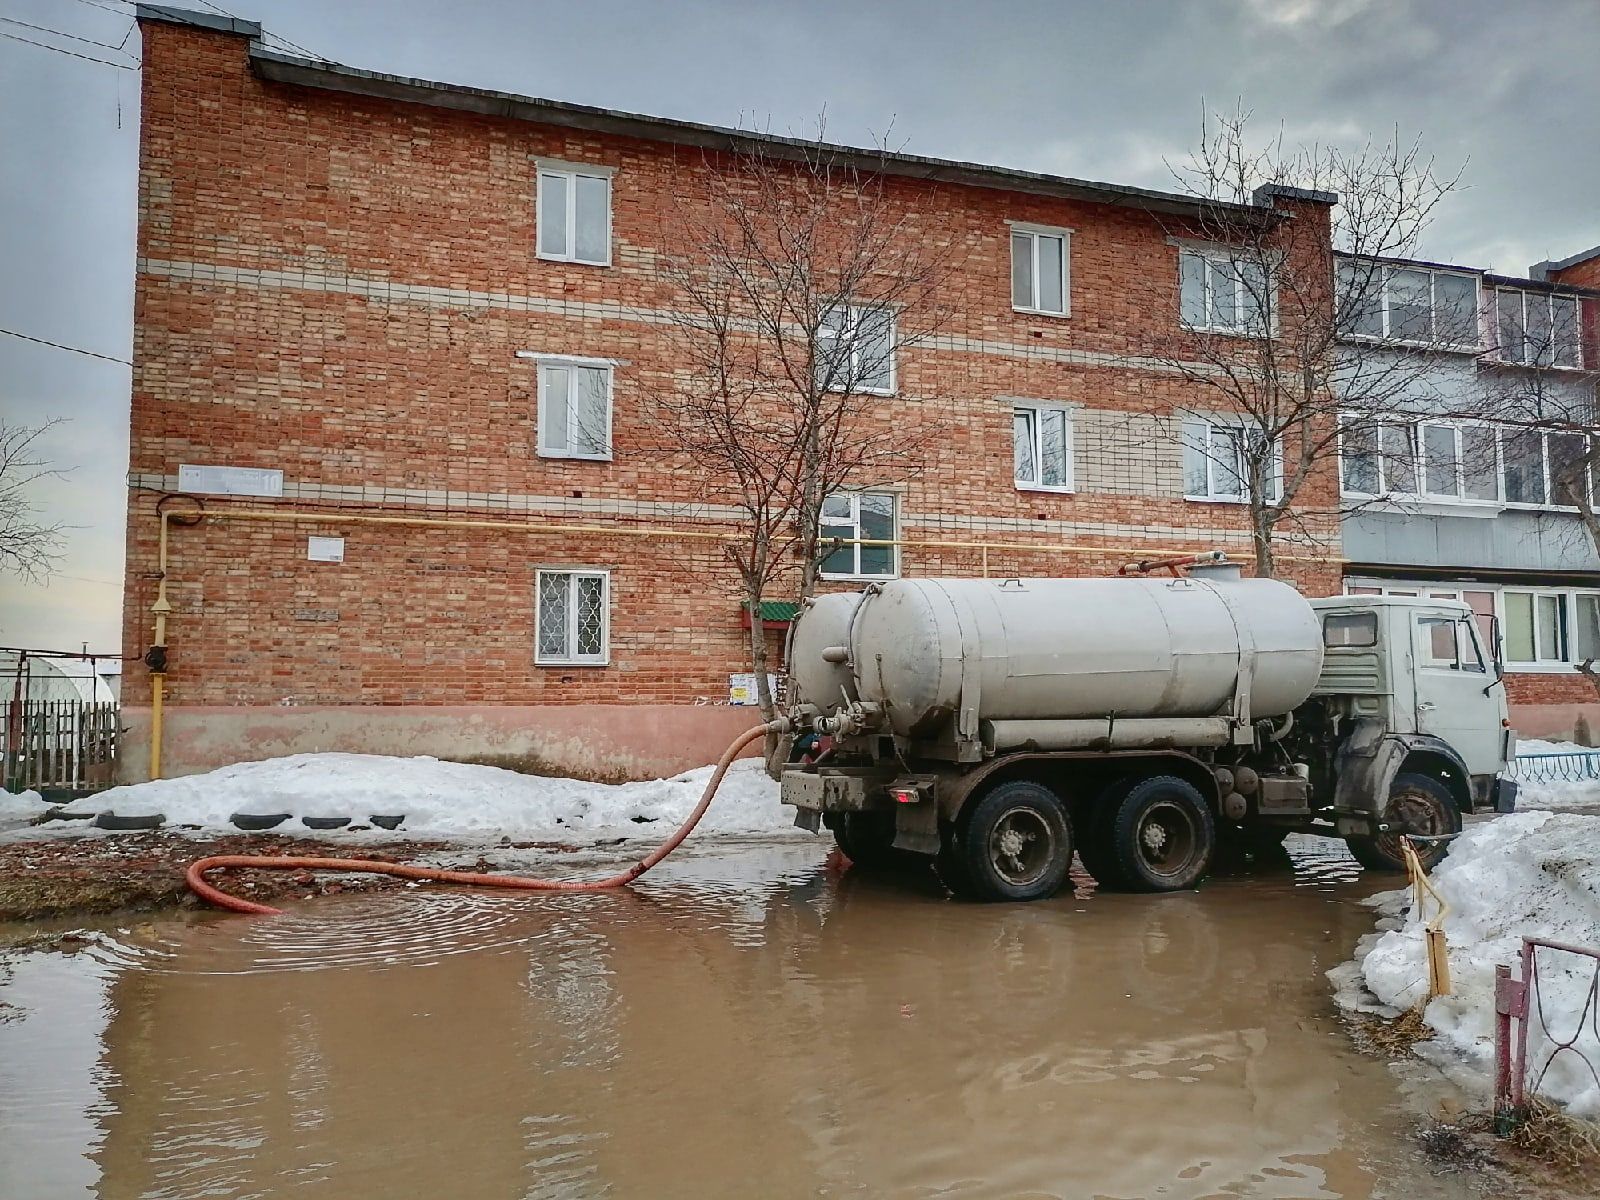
997 726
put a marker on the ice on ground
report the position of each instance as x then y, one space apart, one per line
451 799
1562 793
1534 874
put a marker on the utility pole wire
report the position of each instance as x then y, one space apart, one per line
61 33
70 53
59 346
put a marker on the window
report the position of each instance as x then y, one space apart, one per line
1586 628
855 349
1459 462
1350 629
1043 447
1223 293
574 408
1540 629
1535 627
1039 270
1447 644
854 517
1537 328
1377 458
1408 304
1522 458
574 617
574 214
1216 460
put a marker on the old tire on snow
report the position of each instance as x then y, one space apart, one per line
1417 804
1161 835
1014 844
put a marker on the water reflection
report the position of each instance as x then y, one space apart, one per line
751 1022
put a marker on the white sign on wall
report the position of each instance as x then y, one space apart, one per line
230 481
325 549
742 688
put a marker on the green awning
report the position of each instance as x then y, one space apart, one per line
779 610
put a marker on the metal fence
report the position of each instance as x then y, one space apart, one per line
1560 1036
59 745
1577 766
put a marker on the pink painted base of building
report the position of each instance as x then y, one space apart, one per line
1553 722
610 742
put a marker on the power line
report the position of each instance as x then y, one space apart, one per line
60 33
58 346
70 53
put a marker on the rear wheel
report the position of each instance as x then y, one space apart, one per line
1160 835
1417 804
1015 844
867 839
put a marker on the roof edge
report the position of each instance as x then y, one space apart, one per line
166 15
278 67
1542 270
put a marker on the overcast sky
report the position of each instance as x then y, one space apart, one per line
1104 91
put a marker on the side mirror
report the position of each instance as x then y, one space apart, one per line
1494 653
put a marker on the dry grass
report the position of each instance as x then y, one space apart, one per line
1551 1135
1393 1038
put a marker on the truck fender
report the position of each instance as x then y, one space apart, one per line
1371 757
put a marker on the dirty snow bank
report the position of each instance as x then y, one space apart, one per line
20 807
1561 793
450 798
1534 874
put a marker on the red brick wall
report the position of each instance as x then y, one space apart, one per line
351 390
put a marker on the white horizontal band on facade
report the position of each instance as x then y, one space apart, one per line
378 288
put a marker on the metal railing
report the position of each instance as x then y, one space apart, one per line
1575 766
1519 1005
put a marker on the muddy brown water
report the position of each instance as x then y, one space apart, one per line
750 1022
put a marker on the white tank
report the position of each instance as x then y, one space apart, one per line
1057 650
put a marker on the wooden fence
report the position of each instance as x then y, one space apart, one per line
68 745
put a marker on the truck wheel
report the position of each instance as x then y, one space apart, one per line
1161 835
1016 844
1417 804
867 839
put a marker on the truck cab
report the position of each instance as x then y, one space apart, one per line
1424 672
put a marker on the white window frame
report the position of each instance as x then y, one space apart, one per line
1038 408
1550 299
1568 598
1418 427
1033 233
571 658
852 323
1212 258
855 521
1212 496
542 424
568 174
1384 271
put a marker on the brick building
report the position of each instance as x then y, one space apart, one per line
370 315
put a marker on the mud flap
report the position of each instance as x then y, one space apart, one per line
916 827
1505 795
808 819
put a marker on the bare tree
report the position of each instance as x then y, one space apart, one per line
1289 311
802 277
29 546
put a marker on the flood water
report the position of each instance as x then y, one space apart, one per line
749 1022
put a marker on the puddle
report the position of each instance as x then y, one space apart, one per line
751 1022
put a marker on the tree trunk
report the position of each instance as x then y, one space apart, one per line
1261 526
758 656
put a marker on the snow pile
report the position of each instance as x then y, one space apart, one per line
1562 794
1534 874
17 808
450 798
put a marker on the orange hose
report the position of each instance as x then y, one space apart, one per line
195 876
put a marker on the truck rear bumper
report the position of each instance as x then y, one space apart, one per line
808 790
